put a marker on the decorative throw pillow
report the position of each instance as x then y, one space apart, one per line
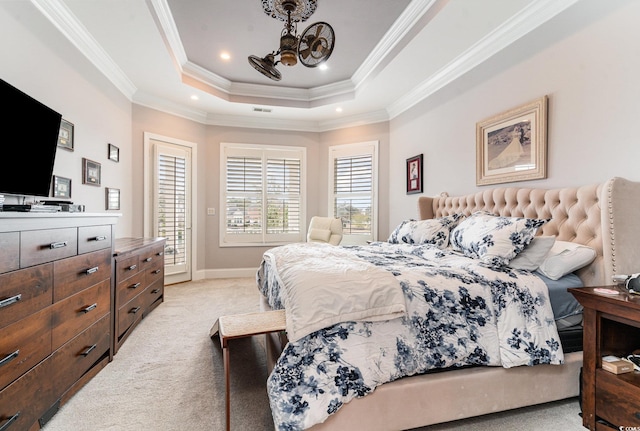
430 231
321 235
533 255
494 240
565 257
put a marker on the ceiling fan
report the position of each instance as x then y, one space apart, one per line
313 47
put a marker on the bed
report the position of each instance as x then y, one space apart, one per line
598 216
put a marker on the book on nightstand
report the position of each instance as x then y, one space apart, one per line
616 365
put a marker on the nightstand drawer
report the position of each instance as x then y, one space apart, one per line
616 398
24 344
24 292
77 273
41 246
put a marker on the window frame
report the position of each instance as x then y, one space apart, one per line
264 152
355 150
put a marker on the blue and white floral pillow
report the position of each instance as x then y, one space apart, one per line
495 240
431 231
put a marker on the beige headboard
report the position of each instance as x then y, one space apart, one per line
603 216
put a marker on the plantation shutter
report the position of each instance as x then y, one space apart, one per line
171 210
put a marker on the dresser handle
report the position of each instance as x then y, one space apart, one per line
9 301
92 270
160 253
89 350
9 358
148 259
58 244
89 308
157 271
134 310
99 238
154 291
132 267
11 420
135 286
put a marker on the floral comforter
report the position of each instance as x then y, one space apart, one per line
459 312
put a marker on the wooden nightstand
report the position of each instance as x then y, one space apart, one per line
611 327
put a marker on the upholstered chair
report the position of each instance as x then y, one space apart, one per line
325 229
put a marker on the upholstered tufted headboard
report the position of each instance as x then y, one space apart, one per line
603 216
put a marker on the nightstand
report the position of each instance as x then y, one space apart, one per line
611 327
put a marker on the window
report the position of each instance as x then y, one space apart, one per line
353 190
262 194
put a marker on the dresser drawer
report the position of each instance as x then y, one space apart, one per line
150 256
129 313
77 273
24 401
41 246
92 238
154 272
24 344
9 251
127 267
616 399
24 292
79 311
129 288
73 359
152 293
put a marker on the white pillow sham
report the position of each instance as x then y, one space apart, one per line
533 255
564 258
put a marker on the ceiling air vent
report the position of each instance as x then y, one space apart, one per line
256 109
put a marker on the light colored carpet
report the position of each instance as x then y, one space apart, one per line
168 375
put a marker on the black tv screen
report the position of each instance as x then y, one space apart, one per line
30 139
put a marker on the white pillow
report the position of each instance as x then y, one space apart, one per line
533 255
319 235
565 257
430 231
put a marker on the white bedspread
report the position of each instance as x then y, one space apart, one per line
319 301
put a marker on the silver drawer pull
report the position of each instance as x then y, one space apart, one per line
89 350
160 253
134 310
58 244
154 291
11 420
135 286
98 238
9 358
9 301
89 308
148 259
92 270
157 271
132 267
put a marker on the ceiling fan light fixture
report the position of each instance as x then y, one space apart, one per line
266 66
289 50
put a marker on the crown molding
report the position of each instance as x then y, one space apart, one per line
531 17
65 21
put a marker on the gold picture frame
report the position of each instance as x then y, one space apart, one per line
512 146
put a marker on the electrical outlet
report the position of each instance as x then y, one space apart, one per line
211 211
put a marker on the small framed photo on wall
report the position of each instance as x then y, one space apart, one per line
65 135
114 153
91 172
414 174
112 198
61 187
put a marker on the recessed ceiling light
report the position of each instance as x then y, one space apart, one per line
225 56
323 66
194 97
338 109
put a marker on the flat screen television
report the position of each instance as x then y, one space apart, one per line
29 143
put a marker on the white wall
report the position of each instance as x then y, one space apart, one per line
591 76
42 63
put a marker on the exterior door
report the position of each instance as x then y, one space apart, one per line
168 209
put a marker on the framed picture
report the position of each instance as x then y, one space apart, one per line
90 172
65 135
512 146
61 187
114 153
414 174
112 198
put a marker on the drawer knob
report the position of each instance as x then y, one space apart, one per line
89 308
160 253
9 358
132 267
89 350
9 301
134 310
92 270
135 286
11 420
148 259
157 271
99 238
58 244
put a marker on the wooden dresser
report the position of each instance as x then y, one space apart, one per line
139 281
56 321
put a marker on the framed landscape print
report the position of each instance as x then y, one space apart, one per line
512 146
91 172
65 135
414 174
